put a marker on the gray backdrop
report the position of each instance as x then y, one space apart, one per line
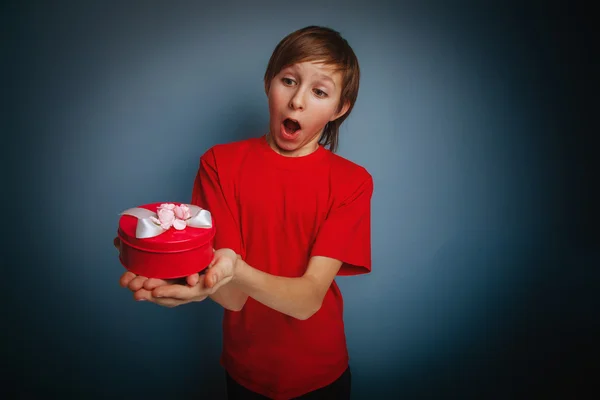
470 117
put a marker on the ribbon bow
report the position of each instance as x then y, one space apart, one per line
147 228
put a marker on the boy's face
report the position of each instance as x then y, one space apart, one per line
303 98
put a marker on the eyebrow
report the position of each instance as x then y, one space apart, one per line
320 76
327 78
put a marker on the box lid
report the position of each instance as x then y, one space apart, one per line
170 241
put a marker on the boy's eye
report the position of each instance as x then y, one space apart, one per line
320 93
287 81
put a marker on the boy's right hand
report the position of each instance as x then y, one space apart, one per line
134 282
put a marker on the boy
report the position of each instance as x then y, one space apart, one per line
290 216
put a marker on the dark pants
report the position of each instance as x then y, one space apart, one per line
338 390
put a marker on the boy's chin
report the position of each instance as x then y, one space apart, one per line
283 144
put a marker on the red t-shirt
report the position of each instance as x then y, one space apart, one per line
277 212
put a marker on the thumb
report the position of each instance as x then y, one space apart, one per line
117 243
193 279
211 278
213 261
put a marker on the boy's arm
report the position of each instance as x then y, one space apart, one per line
236 280
230 297
345 235
297 297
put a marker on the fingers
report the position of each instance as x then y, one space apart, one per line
179 292
152 283
126 278
193 279
168 293
142 295
137 283
183 292
146 295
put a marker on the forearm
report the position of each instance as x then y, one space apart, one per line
230 297
296 297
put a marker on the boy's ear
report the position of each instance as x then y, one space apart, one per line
343 111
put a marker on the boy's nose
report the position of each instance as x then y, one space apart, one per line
297 102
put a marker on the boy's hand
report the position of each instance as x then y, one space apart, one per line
199 286
168 293
221 270
171 293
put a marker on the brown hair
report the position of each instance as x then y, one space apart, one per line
315 43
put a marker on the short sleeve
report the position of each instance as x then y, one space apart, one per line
346 233
210 193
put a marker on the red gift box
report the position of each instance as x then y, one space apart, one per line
167 254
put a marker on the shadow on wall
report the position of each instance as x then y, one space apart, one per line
506 316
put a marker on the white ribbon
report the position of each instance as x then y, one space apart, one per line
146 228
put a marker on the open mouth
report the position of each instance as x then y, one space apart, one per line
291 126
